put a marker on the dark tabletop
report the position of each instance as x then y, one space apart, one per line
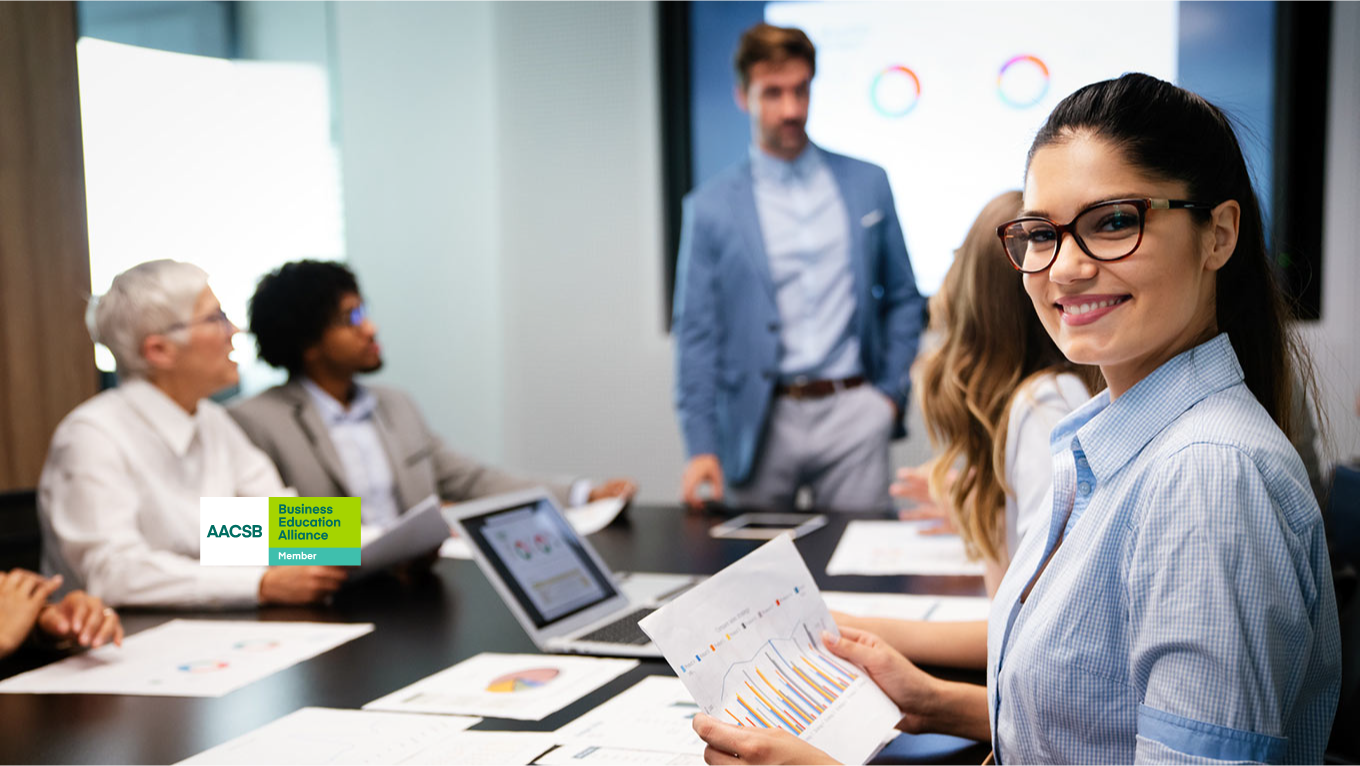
421 628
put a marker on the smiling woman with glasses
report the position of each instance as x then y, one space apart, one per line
1177 604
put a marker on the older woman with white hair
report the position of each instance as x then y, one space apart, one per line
119 494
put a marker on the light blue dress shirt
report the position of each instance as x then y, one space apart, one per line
1188 615
806 229
361 452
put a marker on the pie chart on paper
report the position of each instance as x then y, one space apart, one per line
523 680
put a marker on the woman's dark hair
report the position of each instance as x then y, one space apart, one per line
292 307
1172 134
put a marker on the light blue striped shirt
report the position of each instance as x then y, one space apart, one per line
362 454
1188 615
806 230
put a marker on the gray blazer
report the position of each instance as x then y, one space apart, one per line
285 423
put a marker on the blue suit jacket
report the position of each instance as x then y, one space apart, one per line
726 323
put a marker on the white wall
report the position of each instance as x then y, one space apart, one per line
419 136
587 360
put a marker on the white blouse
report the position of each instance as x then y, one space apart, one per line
1037 408
119 499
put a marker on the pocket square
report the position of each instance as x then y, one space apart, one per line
870 219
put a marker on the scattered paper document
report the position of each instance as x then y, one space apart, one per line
525 687
747 644
474 748
655 714
592 517
315 735
415 533
455 547
905 606
187 658
618 756
899 548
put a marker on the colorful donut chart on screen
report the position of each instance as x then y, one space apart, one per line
895 91
1023 81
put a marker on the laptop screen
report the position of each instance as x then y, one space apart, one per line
540 558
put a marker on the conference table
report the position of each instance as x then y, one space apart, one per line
421 627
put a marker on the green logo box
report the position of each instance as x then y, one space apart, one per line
314 530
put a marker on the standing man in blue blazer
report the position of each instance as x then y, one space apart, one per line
796 311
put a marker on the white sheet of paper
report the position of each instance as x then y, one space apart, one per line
905 606
316 735
415 533
592 517
898 548
187 658
747 644
525 687
473 748
617 756
655 714
455 548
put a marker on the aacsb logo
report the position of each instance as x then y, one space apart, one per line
231 531
271 531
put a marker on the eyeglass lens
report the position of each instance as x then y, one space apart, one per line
1105 232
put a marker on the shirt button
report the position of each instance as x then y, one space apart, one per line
1081 461
1084 488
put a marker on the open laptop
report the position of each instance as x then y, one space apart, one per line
551 578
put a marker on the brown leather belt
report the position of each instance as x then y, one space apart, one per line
816 389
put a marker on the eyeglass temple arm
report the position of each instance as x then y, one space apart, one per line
1177 204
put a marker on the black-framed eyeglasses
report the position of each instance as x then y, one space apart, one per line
1106 231
218 317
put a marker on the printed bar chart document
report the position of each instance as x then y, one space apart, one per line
187 658
747 644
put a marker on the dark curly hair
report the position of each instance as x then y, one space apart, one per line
292 307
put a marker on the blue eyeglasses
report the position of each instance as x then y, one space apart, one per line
355 316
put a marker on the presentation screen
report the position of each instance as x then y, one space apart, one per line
947 96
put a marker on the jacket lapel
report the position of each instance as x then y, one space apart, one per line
395 457
309 420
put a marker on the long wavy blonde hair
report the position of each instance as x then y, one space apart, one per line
992 344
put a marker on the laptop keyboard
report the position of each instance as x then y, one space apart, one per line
624 630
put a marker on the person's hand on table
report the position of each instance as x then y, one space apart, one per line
728 744
623 489
301 584
82 619
912 689
701 470
23 594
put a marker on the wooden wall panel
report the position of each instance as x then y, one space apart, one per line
46 357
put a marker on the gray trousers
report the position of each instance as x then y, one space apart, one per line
835 447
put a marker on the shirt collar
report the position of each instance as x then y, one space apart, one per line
333 412
169 420
800 168
1112 433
